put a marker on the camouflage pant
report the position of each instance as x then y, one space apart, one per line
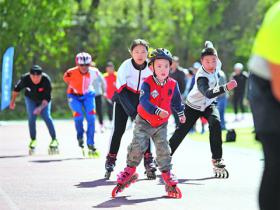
142 133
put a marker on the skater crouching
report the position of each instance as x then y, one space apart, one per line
38 89
201 102
158 94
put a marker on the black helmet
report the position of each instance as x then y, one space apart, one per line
160 53
36 70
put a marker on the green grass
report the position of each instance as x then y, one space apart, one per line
244 139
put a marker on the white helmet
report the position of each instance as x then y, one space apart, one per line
208 44
83 58
238 66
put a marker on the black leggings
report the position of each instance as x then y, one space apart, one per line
269 195
212 115
99 111
266 115
110 110
119 120
238 102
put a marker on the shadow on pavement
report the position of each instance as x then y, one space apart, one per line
122 201
189 181
100 182
55 160
95 183
13 156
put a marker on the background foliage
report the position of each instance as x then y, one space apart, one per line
51 32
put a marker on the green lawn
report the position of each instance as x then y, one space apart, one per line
244 138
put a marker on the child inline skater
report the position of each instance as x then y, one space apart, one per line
158 93
80 95
130 77
201 102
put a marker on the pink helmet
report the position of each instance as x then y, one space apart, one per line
83 58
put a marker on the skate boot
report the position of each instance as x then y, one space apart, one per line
219 168
32 146
125 178
110 164
150 166
92 152
81 144
171 185
53 147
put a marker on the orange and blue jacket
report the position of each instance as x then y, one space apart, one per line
78 83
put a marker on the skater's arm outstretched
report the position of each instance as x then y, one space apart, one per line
208 92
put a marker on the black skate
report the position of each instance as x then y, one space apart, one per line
110 164
53 147
219 169
125 179
150 166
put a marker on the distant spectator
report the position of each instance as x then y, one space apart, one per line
110 78
241 78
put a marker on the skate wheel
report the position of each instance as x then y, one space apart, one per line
226 174
83 152
31 152
136 177
179 193
175 193
115 191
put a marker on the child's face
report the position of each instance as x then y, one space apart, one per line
110 69
161 68
139 54
209 62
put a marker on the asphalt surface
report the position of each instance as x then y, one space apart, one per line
70 181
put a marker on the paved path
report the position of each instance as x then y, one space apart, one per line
69 181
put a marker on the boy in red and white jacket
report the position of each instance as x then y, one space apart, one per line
158 93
